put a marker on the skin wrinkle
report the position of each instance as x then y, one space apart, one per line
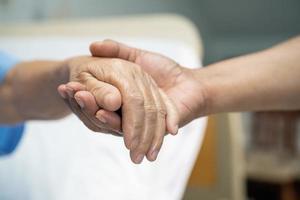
116 64
100 73
135 70
161 124
155 112
143 136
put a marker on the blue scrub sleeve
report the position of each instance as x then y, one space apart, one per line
10 135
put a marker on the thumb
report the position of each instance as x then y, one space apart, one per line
113 49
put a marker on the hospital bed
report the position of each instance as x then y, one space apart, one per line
62 159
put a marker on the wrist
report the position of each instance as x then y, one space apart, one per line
200 85
7 98
34 89
232 84
195 101
210 81
61 73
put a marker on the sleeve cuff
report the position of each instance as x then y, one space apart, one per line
10 137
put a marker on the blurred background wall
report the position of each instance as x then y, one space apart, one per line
229 28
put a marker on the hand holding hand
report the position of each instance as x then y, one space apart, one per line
145 108
177 82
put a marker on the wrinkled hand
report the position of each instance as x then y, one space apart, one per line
146 110
109 97
177 82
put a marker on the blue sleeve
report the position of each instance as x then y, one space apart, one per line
10 135
6 63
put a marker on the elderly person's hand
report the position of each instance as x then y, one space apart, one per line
176 82
231 85
180 84
146 110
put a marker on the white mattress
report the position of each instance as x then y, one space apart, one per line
62 160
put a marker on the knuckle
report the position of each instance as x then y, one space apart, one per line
143 148
150 108
82 77
97 69
151 116
136 99
97 90
162 112
89 66
115 62
137 126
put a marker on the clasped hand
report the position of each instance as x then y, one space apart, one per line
136 94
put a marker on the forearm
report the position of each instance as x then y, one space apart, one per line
29 92
267 80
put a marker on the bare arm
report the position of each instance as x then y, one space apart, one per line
267 80
29 92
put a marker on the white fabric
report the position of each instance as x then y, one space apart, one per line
62 160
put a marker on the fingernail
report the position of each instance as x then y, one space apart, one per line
175 130
62 94
139 159
101 118
80 102
153 155
70 91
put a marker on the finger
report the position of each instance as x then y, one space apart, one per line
107 96
172 118
78 112
87 102
86 109
150 121
113 49
84 98
91 121
160 125
73 87
89 105
112 119
122 75
62 91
